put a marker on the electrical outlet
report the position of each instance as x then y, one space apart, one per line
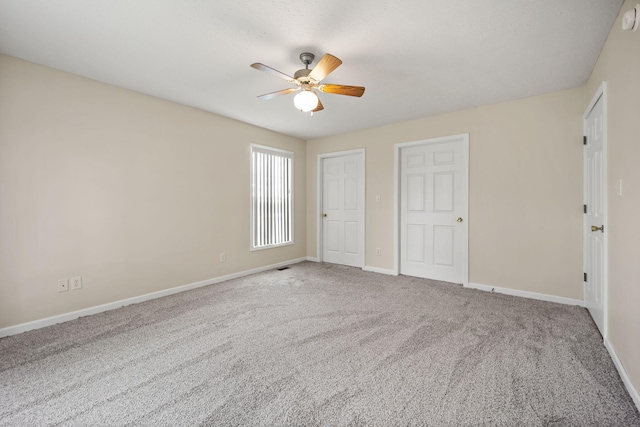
76 283
223 257
63 285
378 251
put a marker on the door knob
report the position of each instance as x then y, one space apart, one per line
459 219
324 214
594 228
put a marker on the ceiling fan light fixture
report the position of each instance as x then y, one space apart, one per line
306 101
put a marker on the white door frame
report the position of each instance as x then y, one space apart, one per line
320 193
600 93
396 196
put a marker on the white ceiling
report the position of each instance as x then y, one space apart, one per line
416 58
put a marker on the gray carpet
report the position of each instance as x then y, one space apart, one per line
312 345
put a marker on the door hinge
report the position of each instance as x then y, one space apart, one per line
584 208
585 277
584 140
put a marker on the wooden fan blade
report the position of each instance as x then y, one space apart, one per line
327 64
319 107
342 89
272 71
278 93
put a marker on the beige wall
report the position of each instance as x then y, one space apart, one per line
133 193
525 202
619 66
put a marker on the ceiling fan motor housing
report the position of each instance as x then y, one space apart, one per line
302 73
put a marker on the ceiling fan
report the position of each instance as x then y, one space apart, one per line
307 80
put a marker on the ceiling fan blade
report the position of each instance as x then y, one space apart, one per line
273 72
278 93
342 89
327 64
319 107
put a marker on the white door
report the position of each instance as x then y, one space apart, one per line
434 209
595 196
343 209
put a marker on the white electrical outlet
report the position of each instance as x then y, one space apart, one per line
63 285
223 257
76 283
378 251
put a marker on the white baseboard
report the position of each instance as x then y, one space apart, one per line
312 259
65 317
526 294
379 270
623 374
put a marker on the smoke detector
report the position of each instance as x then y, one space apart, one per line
631 19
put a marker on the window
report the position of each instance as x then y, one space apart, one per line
271 197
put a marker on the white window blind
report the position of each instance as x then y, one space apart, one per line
272 201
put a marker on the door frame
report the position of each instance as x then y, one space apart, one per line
397 202
320 194
600 94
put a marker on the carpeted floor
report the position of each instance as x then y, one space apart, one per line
317 344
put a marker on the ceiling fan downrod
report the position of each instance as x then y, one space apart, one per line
307 58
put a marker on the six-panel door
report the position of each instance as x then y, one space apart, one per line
343 205
594 198
433 210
